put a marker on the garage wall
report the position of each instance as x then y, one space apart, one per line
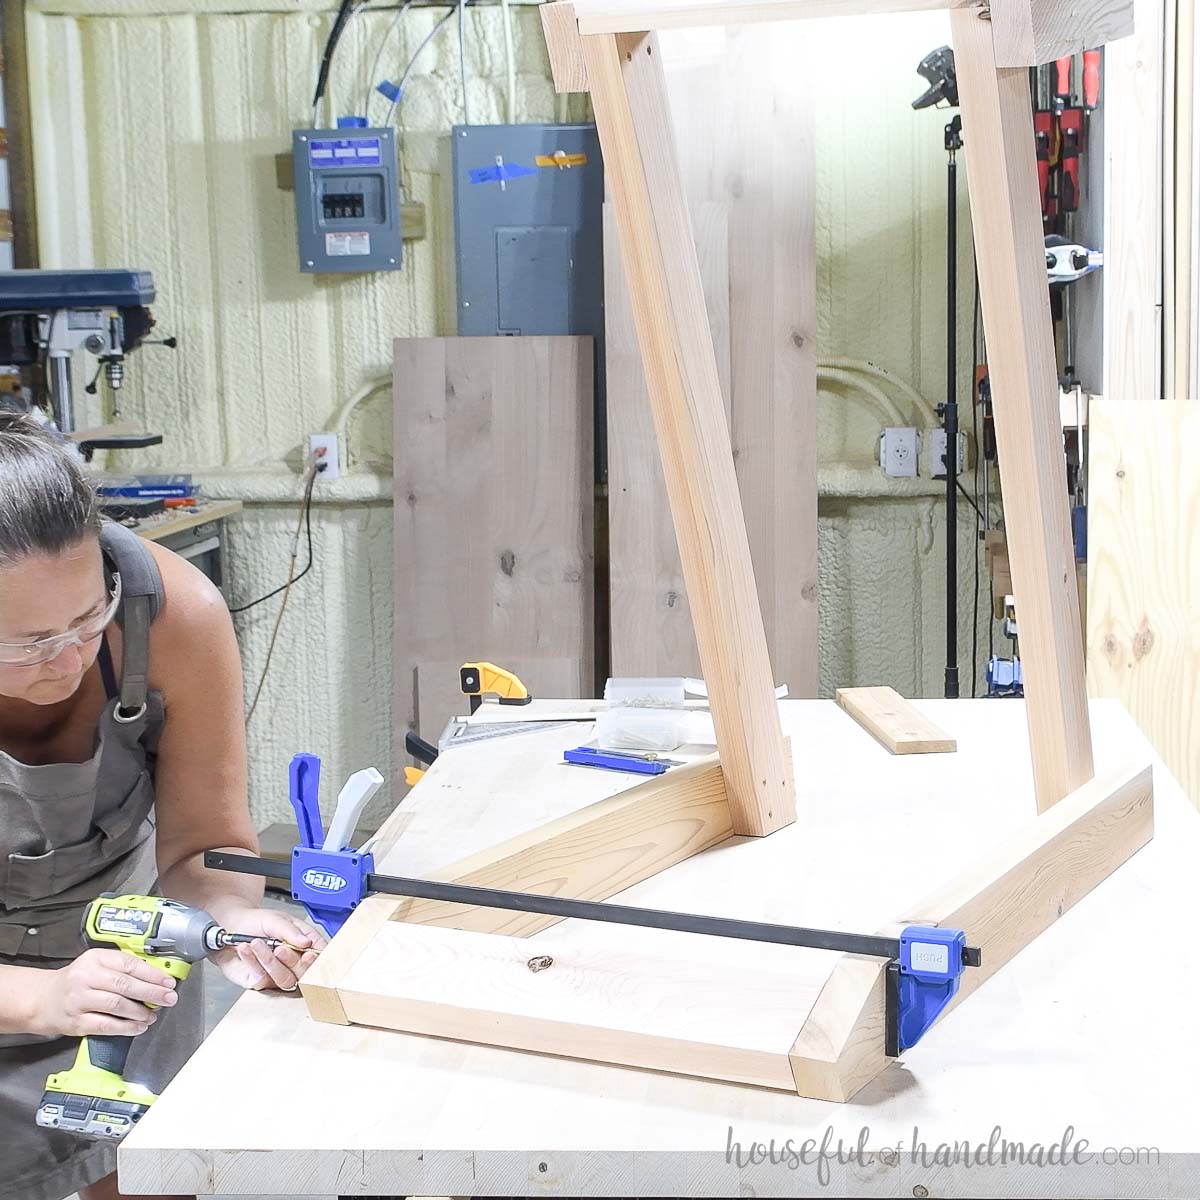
156 123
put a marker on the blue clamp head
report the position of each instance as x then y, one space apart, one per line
329 883
922 982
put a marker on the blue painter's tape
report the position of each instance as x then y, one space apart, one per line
500 172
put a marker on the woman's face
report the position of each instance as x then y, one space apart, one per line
43 595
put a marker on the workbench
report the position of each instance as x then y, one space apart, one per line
1090 1032
193 533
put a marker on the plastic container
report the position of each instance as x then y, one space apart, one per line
644 693
628 728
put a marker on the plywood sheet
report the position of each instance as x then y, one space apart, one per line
743 128
1143 583
493 516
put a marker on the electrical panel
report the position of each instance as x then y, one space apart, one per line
528 230
347 200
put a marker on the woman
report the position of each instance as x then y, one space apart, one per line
122 759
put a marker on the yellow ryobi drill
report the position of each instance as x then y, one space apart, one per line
92 1097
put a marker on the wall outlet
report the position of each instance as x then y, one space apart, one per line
328 442
899 449
937 453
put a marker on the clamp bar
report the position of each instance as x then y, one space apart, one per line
621 914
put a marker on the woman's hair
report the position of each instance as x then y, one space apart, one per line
47 503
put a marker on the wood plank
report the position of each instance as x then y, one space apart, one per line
629 99
894 722
1133 212
1027 31
632 16
1004 901
658 1010
1039 31
1144 572
493 483
1006 217
742 119
589 854
567 68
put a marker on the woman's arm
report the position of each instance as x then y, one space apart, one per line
201 789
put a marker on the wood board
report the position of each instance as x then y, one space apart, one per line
893 722
742 117
1028 32
629 98
493 516
1144 572
1009 246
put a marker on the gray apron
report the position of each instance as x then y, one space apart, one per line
69 831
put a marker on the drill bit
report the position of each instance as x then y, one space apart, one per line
236 939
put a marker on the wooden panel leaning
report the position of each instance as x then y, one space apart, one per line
742 116
493 515
629 99
1144 571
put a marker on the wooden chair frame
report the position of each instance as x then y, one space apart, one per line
1085 827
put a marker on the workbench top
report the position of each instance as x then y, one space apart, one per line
1093 1028
176 520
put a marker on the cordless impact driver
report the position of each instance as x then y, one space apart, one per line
93 1098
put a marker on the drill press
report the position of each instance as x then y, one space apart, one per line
48 316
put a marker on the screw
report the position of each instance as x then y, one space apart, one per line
466 304
920 1191
308 262
543 1167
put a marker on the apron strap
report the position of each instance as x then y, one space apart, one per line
136 663
107 674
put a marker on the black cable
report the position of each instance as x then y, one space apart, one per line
335 34
308 491
978 510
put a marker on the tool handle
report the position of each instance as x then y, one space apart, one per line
304 779
1091 79
1062 79
108 1053
352 799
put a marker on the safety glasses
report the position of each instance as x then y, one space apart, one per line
32 654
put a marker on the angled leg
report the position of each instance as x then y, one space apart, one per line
629 98
998 131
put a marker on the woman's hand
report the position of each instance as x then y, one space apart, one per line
103 992
255 965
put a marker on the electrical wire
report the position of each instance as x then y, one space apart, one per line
304 519
373 75
510 65
331 42
462 58
412 62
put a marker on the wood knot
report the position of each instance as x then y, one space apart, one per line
798 340
1143 641
540 962
808 592
508 562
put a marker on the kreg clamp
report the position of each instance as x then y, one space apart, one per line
328 877
922 980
